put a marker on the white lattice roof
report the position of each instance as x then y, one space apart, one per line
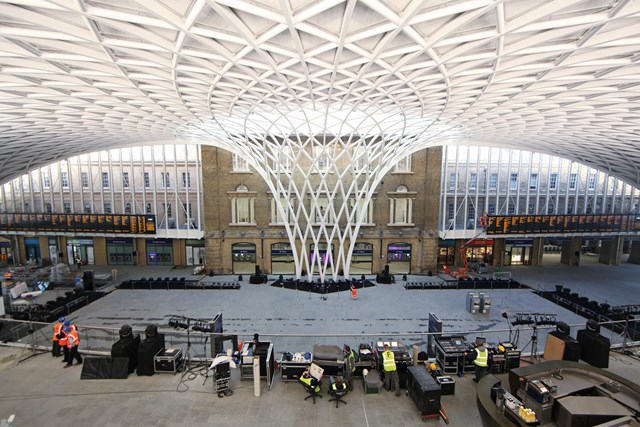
555 76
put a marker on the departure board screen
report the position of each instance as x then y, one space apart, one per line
83 223
531 224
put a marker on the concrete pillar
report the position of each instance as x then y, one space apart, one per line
537 251
571 251
634 252
498 251
610 251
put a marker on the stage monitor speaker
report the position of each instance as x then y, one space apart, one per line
595 348
87 281
96 368
127 348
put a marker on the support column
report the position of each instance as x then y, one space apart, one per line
537 251
571 251
498 251
610 251
634 252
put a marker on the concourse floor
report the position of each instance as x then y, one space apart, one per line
38 390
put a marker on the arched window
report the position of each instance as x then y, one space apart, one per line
242 206
400 207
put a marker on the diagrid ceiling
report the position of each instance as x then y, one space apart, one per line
554 76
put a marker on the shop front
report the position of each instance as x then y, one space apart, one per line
244 258
517 252
446 252
82 249
399 258
362 259
195 251
479 251
32 248
282 261
6 255
120 252
159 251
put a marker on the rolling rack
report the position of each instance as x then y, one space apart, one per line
222 379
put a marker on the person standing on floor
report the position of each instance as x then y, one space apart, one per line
349 366
480 358
390 370
73 342
57 328
354 292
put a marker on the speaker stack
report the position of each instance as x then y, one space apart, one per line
127 346
571 346
595 347
152 344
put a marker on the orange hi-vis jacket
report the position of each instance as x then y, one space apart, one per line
73 339
57 328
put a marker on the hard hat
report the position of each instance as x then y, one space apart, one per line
433 366
67 329
67 323
61 319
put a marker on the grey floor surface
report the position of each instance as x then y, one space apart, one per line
40 392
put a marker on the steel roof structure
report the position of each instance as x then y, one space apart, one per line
554 76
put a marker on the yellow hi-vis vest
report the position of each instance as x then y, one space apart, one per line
307 381
388 361
482 359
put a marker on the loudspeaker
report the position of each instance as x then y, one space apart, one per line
571 346
96 368
595 348
127 347
146 352
87 281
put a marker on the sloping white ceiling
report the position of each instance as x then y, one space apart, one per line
554 76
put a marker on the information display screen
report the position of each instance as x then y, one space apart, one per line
531 224
86 223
